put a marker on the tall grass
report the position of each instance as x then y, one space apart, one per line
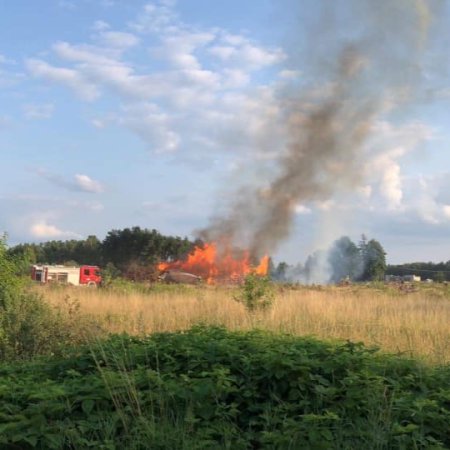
416 323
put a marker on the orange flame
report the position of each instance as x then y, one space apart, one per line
218 265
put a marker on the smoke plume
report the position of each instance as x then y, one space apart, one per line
357 76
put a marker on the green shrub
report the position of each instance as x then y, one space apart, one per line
256 293
209 388
29 326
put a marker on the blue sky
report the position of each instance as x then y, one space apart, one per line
151 113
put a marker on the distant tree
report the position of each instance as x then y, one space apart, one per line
135 246
433 271
345 260
374 260
280 272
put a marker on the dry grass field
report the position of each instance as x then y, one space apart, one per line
414 323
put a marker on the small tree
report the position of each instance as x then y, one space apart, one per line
109 273
374 258
256 293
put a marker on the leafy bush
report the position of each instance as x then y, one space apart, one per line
256 293
28 325
213 389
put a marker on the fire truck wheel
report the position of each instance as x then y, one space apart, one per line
92 284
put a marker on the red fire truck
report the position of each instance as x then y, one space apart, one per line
76 276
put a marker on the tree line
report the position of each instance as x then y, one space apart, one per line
131 252
134 253
426 270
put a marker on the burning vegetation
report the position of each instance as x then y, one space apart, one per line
216 263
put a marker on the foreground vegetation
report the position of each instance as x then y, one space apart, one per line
411 322
211 388
90 368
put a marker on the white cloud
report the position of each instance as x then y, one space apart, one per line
152 125
117 39
86 54
155 17
87 184
390 184
69 77
185 97
79 183
179 48
44 111
388 149
239 51
428 197
43 230
100 65
100 25
194 92
235 78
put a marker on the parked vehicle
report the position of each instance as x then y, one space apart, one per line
76 276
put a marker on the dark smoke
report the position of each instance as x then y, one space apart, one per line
370 72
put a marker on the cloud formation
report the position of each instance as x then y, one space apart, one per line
196 91
43 230
87 184
79 183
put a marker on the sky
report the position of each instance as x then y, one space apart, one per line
153 113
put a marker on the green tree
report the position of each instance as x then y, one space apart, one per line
256 293
374 260
28 326
142 246
10 284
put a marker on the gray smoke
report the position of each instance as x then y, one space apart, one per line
357 76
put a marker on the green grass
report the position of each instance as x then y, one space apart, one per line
209 388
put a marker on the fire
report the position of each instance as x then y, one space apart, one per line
218 265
